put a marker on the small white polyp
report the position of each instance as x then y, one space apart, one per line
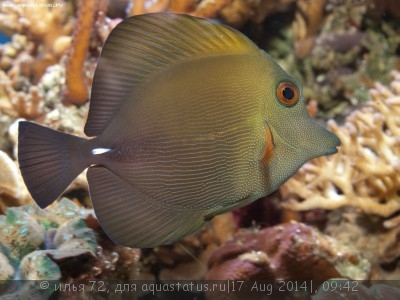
98 151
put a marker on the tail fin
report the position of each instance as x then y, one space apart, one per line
49 161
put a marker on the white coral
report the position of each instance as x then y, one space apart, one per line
365 173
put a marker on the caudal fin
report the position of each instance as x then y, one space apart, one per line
48 160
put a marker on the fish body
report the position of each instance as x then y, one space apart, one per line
190 119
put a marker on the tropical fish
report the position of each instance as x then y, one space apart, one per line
190 119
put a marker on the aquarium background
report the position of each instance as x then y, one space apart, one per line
338 217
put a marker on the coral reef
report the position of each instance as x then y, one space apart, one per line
26 58
21 98
46 27
286 251
18 98
362 176
336 48
60 232
57 244
339 51
371 237
348 54
44 104
364 173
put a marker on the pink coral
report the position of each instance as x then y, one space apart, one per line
287 251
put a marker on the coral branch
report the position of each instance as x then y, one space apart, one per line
76 91
364 173
209 9
307 22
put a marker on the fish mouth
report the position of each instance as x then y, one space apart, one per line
325 151
334 141
332 151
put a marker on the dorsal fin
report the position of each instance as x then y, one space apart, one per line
144 44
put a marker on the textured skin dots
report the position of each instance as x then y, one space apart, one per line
196 141
189 148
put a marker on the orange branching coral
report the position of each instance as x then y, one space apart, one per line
308 18
182 6
365 171
76 91
240 11
138 7
210 8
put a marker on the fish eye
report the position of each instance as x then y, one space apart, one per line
288 93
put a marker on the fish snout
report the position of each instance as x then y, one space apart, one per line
321 141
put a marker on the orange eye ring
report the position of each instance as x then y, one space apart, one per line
288 94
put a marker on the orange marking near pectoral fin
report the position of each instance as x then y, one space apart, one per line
269 145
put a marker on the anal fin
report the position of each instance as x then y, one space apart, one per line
131 218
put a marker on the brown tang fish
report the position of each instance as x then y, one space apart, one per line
190 118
